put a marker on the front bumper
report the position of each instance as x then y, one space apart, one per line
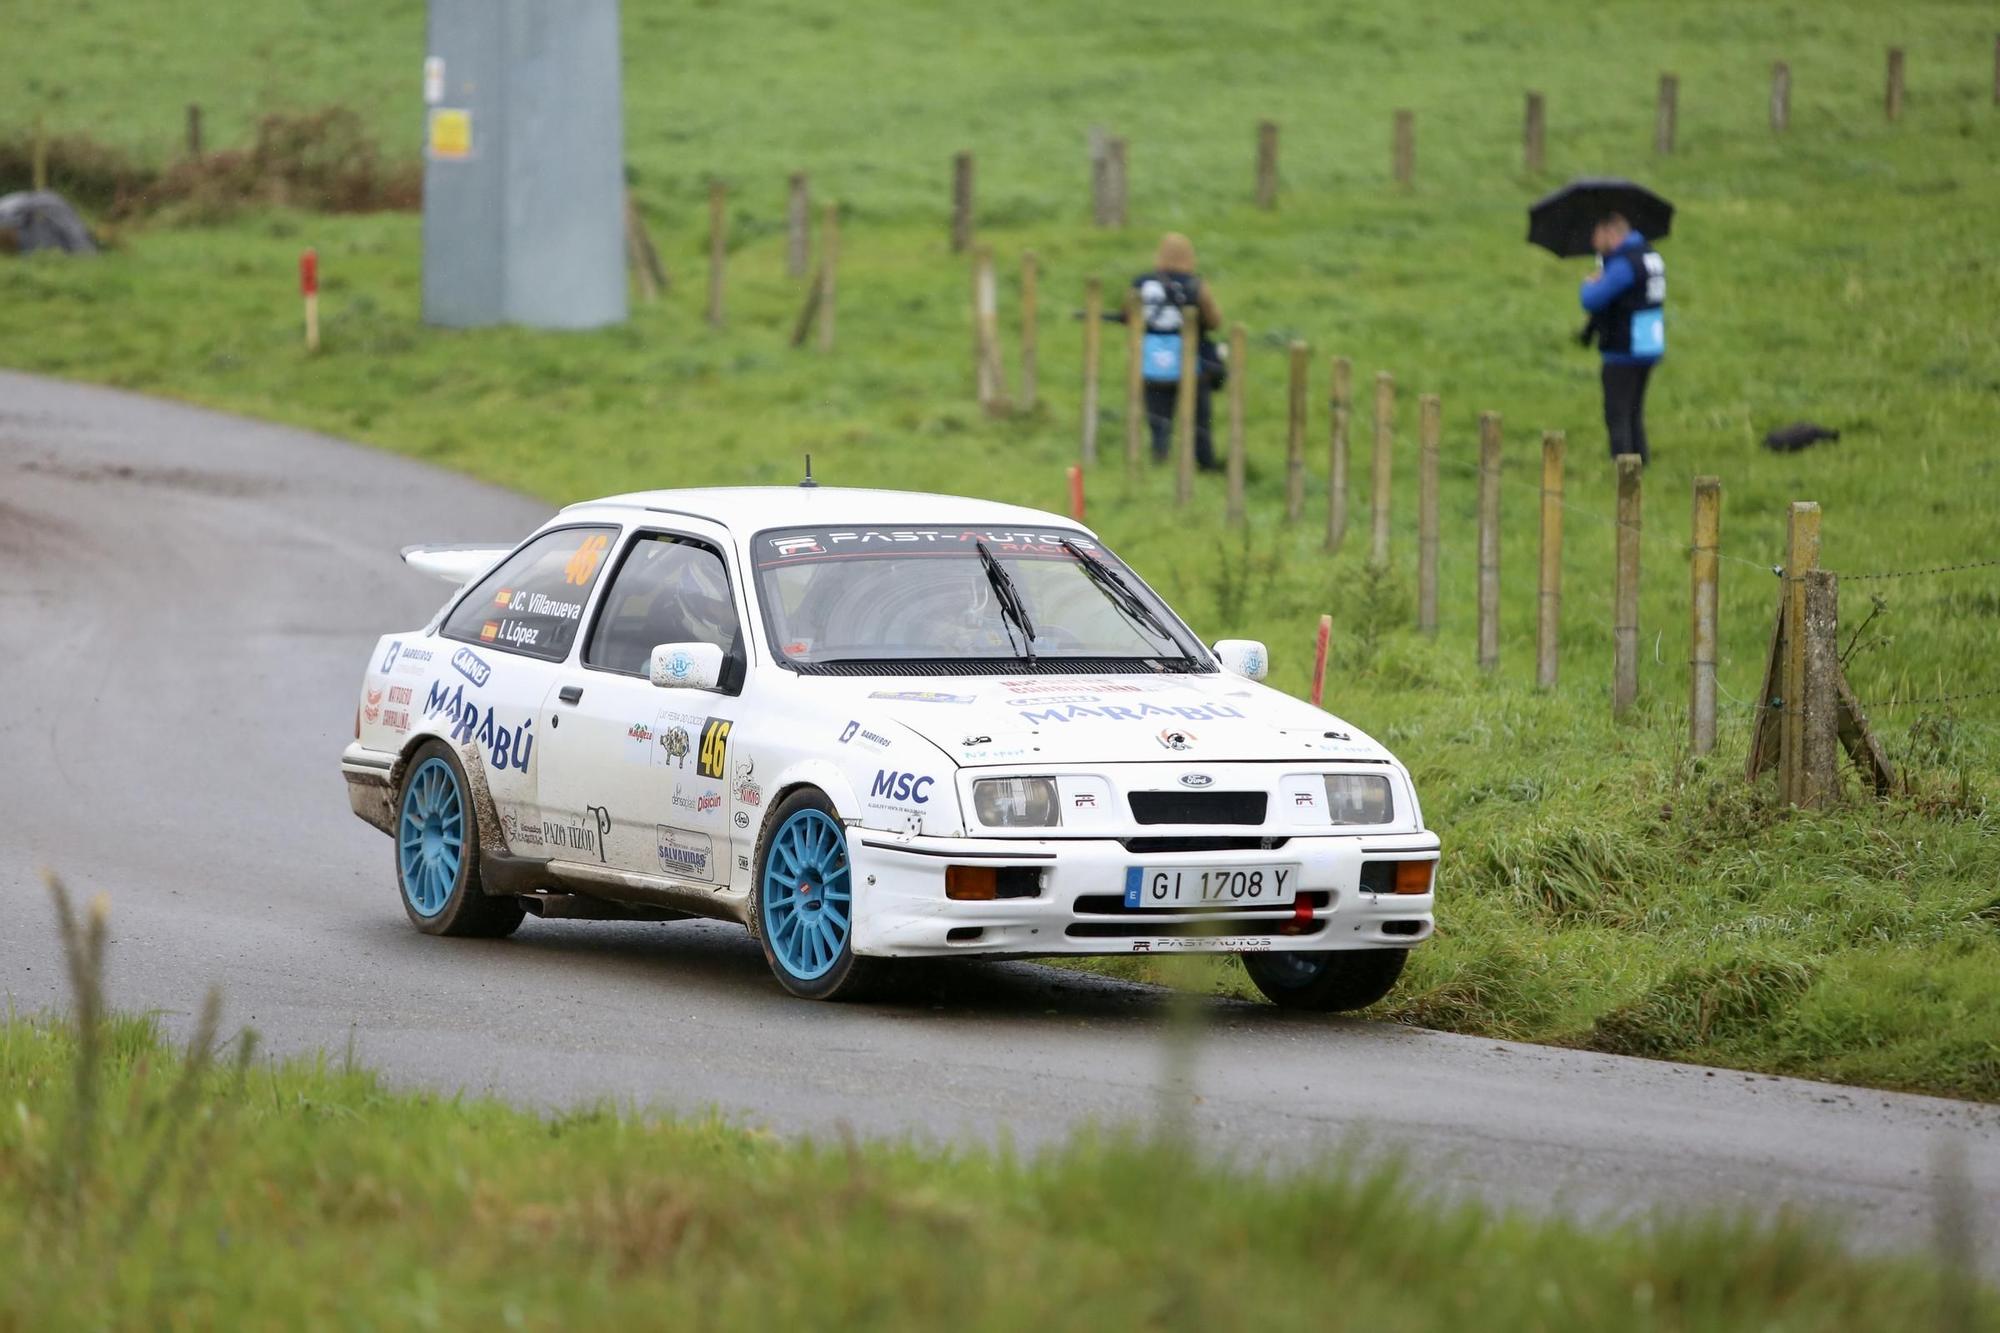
901 910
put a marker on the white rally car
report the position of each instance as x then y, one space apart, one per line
873 725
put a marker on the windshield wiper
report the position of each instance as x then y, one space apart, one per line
1009 597
1122 596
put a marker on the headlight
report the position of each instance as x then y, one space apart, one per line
1359 798
1016 802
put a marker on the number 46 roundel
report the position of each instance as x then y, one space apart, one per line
710 763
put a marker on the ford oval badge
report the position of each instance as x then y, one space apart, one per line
1195 779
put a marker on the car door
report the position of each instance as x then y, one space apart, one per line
637 773
505 640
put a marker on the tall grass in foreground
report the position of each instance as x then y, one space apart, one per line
144 1188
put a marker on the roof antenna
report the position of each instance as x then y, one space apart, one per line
809 483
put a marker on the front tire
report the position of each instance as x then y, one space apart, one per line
802 909
1332 982
437 852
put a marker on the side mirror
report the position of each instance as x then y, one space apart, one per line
687 666
1245 657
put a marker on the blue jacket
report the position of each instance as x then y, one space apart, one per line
1620 275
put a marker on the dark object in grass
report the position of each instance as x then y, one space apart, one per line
32 220
1799 435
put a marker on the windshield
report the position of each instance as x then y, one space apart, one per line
908 596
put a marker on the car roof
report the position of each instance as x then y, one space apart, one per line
747 509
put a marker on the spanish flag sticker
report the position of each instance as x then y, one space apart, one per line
490 630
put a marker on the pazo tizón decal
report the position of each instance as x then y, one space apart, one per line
710 763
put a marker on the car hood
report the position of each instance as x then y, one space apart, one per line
980 720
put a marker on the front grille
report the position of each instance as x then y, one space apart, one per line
1222 842
1199 807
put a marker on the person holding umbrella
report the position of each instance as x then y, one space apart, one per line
1625 298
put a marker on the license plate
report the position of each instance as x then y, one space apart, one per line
1211 886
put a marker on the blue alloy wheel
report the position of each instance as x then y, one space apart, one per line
807 895
430 836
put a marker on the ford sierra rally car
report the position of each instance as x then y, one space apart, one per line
873 725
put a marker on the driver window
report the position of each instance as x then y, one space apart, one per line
667 590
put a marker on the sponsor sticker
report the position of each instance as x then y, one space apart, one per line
585 836
697 800
744 787
897 788
1138 712
504 747
1175 739
688 855
854 731
471 666
927 696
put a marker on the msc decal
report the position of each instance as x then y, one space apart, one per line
710 762
471 666
902 787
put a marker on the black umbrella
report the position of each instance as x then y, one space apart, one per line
1561 222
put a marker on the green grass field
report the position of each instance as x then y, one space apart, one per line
137 1194
1602 887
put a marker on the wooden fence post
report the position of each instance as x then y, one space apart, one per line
1337 449
1385 437
640 255
1184 403
194 131
1819 721
1295 433
1321 641
986 333
1801 557
718 248
1117 182
1667 117
1430 424
798 223
1996 69
38 169
1100 173
1625 609
829 262
1267 164
1136 428
1489 541
1892 96
1701 654
1030 315
1238 352
1405 137
1548 620
1093 353
1534 130
961 202
1781 97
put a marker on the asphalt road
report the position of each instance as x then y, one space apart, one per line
186 603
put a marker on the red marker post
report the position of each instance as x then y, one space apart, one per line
1076 493
1319 658
309 289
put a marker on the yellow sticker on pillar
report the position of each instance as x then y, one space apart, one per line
450 134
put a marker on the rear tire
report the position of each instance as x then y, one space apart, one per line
1331 982
437 852
802 903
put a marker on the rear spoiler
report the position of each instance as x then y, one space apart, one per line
454 564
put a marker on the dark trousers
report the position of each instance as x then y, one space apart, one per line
1625 408
1161 400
